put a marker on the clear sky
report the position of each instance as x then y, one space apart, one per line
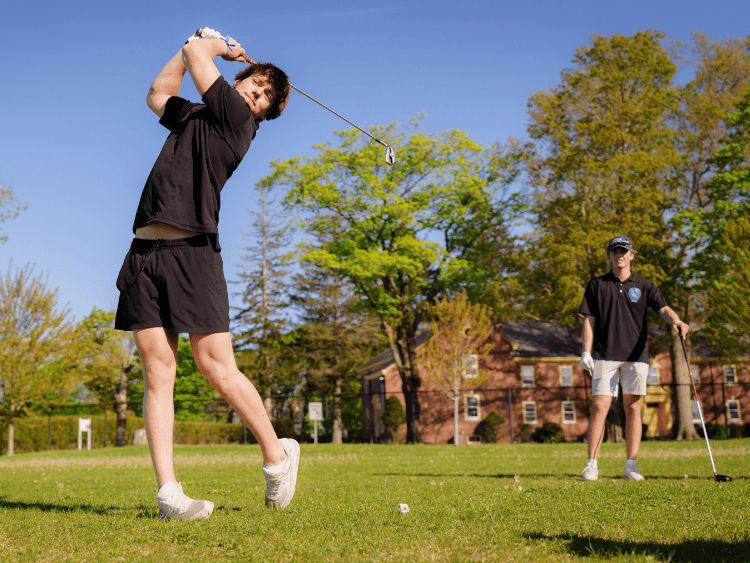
77 140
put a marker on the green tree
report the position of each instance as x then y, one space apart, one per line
106 358
408 232
334 335
599 165
722 74
10 205
715 230
260 319
459 342
34 334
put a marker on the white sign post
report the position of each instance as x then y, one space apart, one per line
84 425
315 413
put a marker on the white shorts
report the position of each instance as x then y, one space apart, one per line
633 377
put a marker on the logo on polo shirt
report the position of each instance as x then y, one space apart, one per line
634 294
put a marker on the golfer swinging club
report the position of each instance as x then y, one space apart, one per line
615 348
172 279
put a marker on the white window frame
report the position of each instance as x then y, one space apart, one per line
694 411
471 366
730 375
562 377
533 376
695 373
571 409
526 418
478 407
733 404
653 375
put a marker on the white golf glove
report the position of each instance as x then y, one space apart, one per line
587 362
206 33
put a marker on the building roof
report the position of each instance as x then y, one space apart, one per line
542 340
527 340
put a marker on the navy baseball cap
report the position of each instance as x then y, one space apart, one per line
620 242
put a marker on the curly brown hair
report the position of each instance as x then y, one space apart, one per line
277 80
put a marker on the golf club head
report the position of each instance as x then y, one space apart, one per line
390 155
723 478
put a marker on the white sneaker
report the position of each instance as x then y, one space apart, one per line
173 503
631 472
280 488
590 472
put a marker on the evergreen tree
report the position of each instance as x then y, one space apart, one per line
260 320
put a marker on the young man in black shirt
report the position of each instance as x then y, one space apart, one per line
172 279
615 348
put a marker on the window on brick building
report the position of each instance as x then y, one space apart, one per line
472 407
527 376
730 375
566 376
471 366
733 412
568 412
529 412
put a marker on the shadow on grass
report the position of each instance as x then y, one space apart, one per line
551 475
141 511
690 551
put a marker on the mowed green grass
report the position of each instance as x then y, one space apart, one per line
520 502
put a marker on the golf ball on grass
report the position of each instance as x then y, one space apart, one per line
402 508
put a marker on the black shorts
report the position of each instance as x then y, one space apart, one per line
176 284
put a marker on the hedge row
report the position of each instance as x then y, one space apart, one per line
61 432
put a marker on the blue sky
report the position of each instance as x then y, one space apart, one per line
77 140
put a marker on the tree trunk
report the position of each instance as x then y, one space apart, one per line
455 420
684 427
11 435
121 400
337 426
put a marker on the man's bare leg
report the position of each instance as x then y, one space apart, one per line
633 424
215 358
599 409
158 351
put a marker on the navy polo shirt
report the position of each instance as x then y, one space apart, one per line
620 328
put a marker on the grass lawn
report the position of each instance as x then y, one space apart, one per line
474 503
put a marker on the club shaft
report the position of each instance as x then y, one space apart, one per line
339 115
700 410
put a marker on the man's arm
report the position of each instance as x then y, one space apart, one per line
588 334
198 58
166 84
673 319
587 362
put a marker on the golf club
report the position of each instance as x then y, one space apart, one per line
390 154
717 478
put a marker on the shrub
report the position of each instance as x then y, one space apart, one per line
489 429
393 416
525 432
736 430
549 433
715 431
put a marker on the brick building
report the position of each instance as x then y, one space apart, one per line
534 377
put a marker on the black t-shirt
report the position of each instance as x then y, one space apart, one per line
620 328
205 145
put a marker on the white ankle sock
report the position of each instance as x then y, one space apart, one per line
592 461
631 462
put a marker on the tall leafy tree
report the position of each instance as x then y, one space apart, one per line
722 74
34 335
716 229
260 320
459 342
599 165
334 335
408 232
106 358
